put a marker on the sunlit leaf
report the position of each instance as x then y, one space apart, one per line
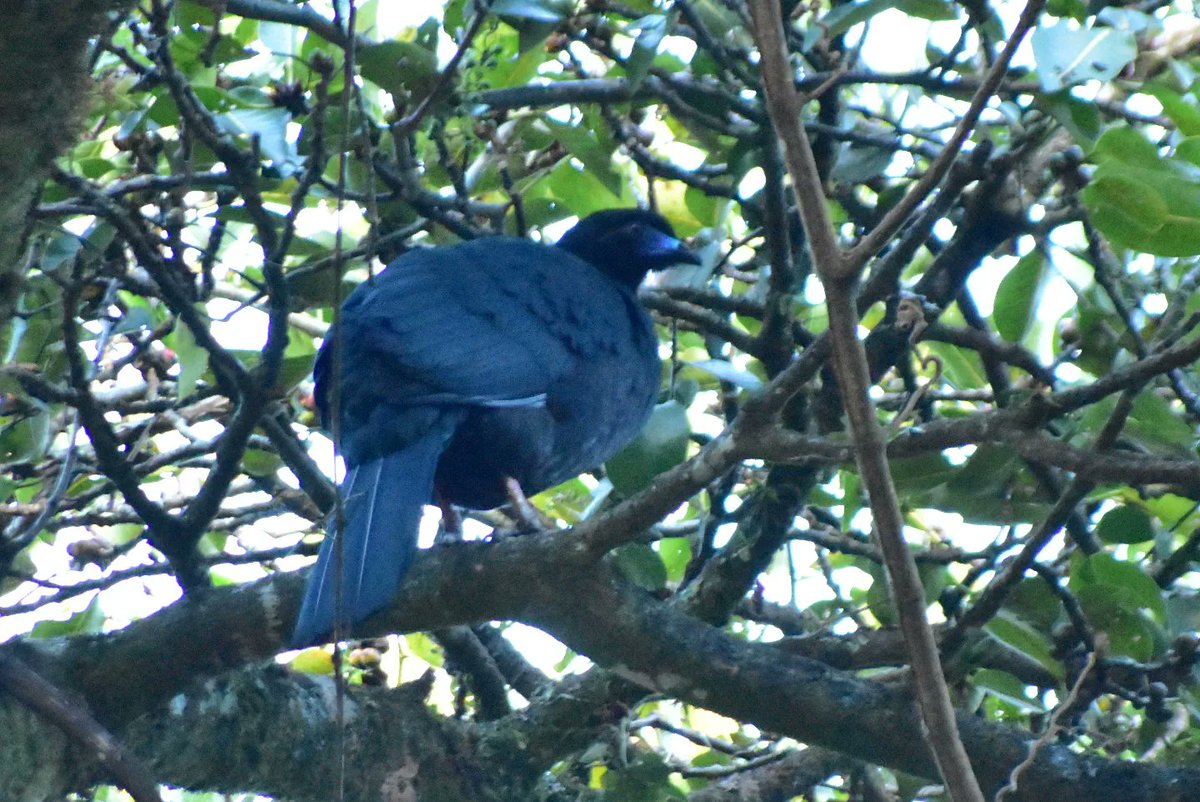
662 445
537 10
1067 55
88 621
192 357
651 30
317 660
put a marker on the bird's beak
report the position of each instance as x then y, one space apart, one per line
665 251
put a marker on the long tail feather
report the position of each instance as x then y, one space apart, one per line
383 500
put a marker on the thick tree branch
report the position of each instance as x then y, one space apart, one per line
21 682
593 612
39 116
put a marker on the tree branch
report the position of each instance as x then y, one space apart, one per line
840 275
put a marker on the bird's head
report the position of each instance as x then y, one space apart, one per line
626 243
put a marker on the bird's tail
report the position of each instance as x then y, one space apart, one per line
382 503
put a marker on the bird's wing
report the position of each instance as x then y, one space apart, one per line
492 322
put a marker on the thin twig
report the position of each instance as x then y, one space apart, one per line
784 102
1053 727
869 245
410 121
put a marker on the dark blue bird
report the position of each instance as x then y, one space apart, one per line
465 366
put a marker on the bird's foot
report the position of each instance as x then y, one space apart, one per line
452 523
527 515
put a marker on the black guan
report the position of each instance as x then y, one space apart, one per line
464 366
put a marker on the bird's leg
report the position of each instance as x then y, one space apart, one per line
452 522
527 515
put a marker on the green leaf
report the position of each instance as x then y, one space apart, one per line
137 318
251 97
1142 200
89 621
962 368
257 462
123 534
1067 9
661 445
921 473
425 648
719 18
1128 524
1130 633
1126 145
852 500
404 70
269 127
932 10
648 779
1125 209
60 249
641 565
582 191
1006 687
1099 342
192 359
1020 636
1017 296
1182 111
988 472
707 210
857 163
1032 601
537 10
844 17
315 660
292 371
25 439
1153 424
1067 55
651 30
879 599
1121 584
1129 19
582 142
1183 613
280 38
1080 118
675 553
